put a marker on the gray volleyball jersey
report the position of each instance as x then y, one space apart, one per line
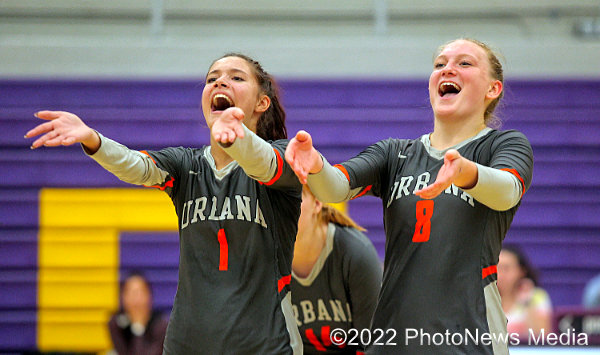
340 291
441 254
236 247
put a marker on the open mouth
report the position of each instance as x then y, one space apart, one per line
221 102
448 88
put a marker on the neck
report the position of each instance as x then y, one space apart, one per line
219 155
508 301
308 247
448 133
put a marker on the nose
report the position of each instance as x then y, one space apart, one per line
220 82
449 69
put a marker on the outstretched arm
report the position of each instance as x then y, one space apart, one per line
255 155
64 128
497 189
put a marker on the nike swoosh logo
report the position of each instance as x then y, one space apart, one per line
401 156
193 172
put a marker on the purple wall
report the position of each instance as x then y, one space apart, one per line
557 225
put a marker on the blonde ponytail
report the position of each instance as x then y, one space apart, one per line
330 214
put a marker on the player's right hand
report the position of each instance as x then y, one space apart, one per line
302 156
62 128
228 127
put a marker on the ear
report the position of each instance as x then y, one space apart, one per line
495 90
318 206
263 103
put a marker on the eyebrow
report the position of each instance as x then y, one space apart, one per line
234 70
462 55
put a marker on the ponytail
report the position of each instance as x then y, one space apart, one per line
331 214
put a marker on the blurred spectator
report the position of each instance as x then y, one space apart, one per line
527 306
137 329
591 293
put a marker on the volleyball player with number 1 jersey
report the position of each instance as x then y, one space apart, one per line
237 203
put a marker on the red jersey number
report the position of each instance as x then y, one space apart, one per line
423 225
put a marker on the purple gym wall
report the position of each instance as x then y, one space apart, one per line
557 224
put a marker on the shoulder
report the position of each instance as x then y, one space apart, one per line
351 241
500 136
280 144
395 143
387 148
179 152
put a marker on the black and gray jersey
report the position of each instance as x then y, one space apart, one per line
236 247
440 254
340 291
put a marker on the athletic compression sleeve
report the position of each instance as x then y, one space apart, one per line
254 155
497 189
330 184
128 165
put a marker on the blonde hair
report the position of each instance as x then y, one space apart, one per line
496 72
330 214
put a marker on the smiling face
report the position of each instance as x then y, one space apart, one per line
231 82
461 85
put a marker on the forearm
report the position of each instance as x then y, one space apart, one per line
254 155
497 189
128 165
329 184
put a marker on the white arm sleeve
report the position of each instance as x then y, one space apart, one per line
128 165
497 189
254 155
330 184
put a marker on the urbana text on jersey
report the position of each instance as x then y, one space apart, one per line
240 207
401 188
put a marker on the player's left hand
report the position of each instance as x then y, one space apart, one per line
228 126
446 176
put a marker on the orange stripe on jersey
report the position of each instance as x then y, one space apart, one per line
343 170
279 170
282 282
487 271
145 152
166 184
310 335
223 250
516 173
363 192
326 335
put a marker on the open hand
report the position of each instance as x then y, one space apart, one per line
62 128
228 126
446 176
302 156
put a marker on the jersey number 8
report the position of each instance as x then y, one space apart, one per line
423 225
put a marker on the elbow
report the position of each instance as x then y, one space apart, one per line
502 205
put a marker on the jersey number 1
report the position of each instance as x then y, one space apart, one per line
223 250
423 225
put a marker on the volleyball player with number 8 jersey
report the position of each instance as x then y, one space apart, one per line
238 204
449 198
